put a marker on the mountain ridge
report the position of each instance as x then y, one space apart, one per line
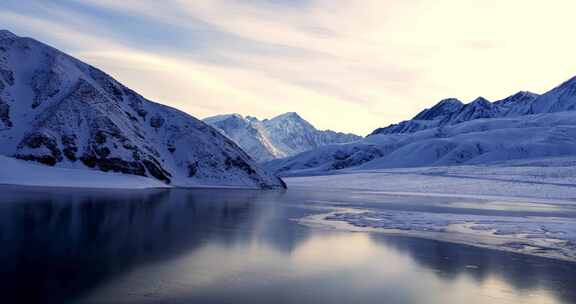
452 111
521 126
58 111
277 137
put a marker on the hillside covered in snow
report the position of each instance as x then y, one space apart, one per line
522 126
282 136
452 111
58 111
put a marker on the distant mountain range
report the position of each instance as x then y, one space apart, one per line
282 136
524 125
58 111
452 111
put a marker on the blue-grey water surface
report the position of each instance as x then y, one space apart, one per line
238 246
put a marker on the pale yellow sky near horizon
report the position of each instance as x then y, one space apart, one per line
349 66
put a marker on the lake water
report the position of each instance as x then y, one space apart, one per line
233 246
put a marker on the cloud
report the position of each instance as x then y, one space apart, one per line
345 65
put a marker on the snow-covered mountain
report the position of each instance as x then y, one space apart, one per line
524 125
282 136
452 111
58 111
429 118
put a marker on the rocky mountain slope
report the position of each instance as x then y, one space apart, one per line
522 126
59 111
282 136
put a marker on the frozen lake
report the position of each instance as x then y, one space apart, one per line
233 246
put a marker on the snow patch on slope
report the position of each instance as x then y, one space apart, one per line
18 172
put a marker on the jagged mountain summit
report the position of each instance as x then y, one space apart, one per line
452 111
58 111
282 136
515 105
522 126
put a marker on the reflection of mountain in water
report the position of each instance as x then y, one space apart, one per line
56 243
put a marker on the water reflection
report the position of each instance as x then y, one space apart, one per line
525 279
219 246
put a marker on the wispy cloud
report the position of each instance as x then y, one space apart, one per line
345 65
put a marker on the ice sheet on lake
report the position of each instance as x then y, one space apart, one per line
550 237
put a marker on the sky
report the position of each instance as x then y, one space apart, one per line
345 65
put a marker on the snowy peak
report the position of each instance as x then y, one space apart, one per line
561 98
288 116
290 121
566 84
440 110
428 118
517 104
228 121
478 108
224 117
521 126
58 111
480 102
452 111
281 136
520 97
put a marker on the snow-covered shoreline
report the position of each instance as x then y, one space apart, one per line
532 239
525 188
15 172
528 182
23 173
